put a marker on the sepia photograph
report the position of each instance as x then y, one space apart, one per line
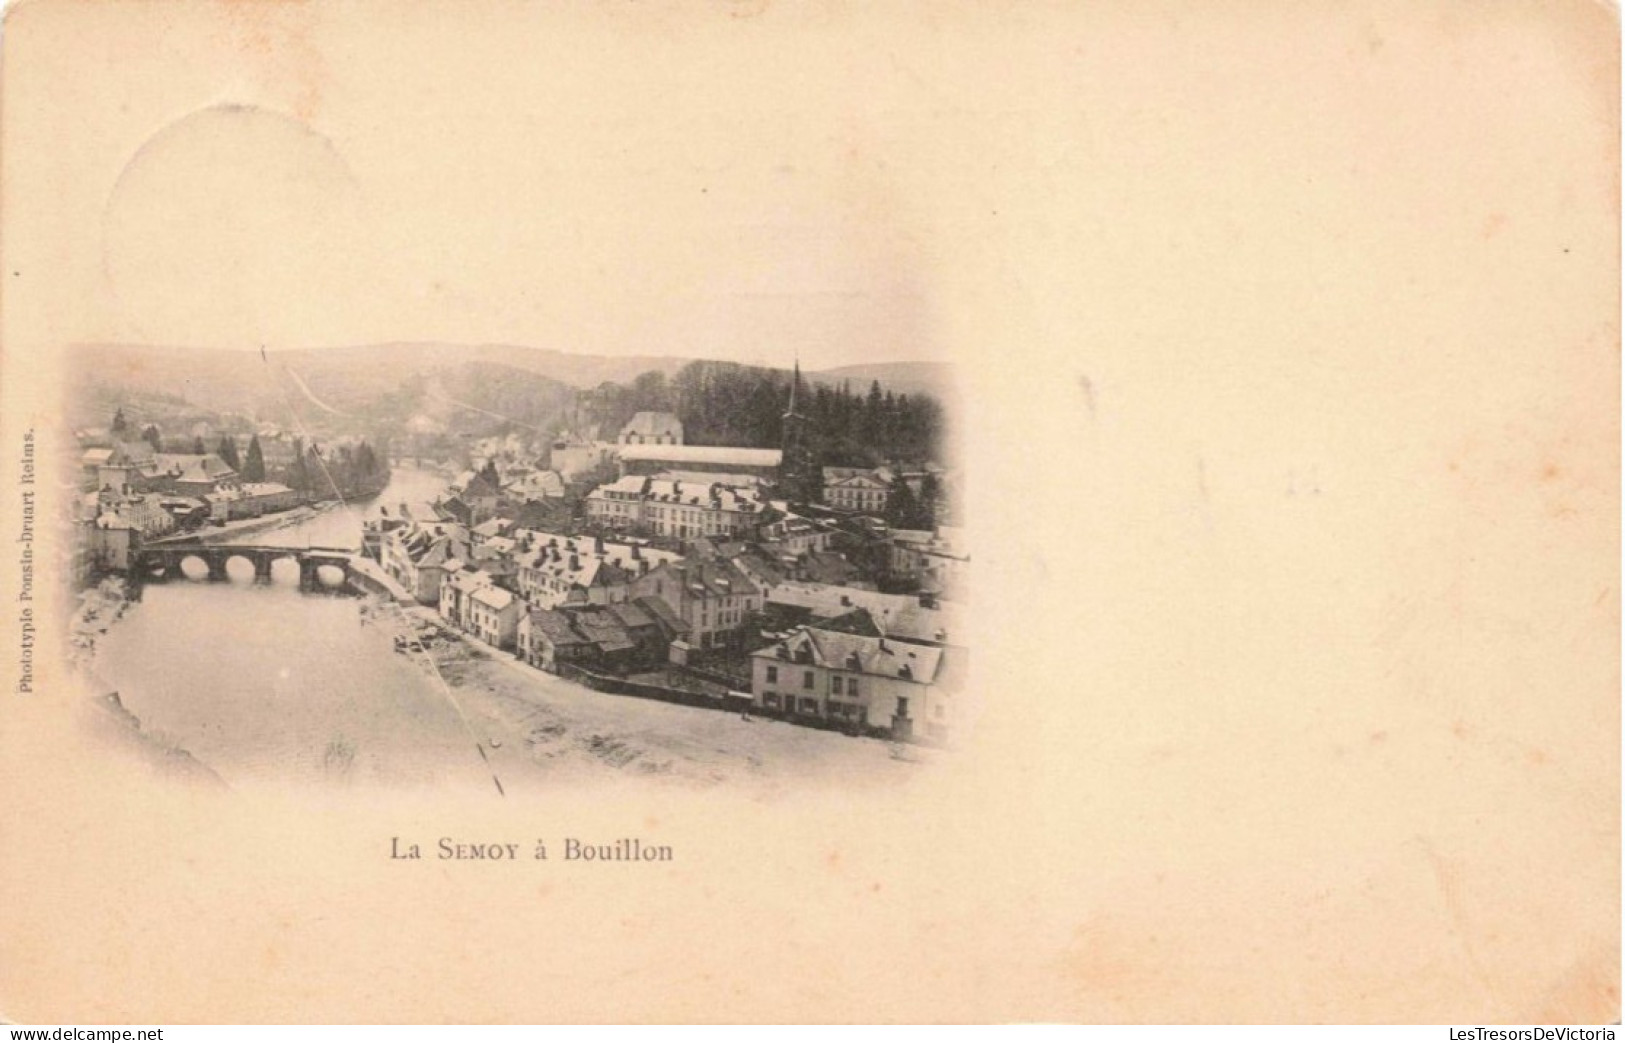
436 565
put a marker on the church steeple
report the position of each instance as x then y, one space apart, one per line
795 388
795 467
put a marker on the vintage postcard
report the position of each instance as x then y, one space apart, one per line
752 512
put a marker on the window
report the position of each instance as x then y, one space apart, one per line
809 706
807 679
772 675
852 687
835 686
770 699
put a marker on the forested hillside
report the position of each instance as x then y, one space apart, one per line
724 403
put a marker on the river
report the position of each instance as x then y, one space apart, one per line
263 683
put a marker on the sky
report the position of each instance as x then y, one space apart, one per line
310 177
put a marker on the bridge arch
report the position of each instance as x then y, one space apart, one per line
319 569
192 565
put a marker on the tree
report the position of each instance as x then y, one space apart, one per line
299 470
121 426
930 497
489 473
902 510
254 466
153 438
228 452
197 446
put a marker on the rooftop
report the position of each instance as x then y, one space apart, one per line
703 454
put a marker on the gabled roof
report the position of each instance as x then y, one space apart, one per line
651 423
866 480
671 624
631 615
873 656
603 630
493 597
555 626
471 483
706 578
897 615
536 485
468 582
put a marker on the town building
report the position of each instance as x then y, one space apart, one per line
493 616
549 641
865 490
111 540
572 456
554 570
788 538
537 485
250 500
939 560
193 475
649 428
471 498
651 460
418 557
618 638
457 591
677 510
855 680
901 616
714 599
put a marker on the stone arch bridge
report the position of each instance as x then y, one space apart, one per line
162 561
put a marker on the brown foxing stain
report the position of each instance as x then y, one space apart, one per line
1373 39
1379 737
1114 961
1447 877
1087 387
833 861
277 32
1493 225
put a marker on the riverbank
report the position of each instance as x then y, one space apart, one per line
103 713
99 608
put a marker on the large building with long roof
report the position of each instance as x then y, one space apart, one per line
712 459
